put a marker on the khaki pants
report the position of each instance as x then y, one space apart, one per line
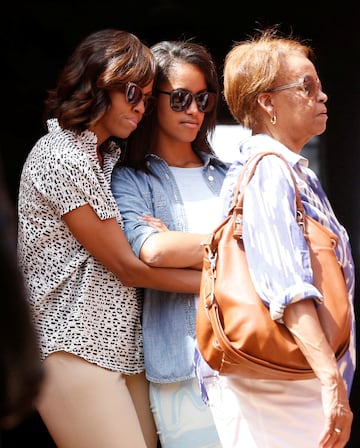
86 406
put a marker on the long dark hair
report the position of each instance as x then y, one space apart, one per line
103 61
167 54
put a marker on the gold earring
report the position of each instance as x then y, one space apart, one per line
273 120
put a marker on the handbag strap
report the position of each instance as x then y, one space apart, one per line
244 179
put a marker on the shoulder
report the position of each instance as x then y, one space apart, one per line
213 159
127 180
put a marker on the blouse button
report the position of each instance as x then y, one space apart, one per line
211 167
211 178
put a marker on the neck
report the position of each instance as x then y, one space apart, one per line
293 145
181 156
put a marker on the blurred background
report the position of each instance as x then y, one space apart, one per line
37 38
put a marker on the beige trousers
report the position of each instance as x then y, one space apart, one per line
86 406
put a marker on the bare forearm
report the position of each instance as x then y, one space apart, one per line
169 279
105 240
302 321
173 249
135 272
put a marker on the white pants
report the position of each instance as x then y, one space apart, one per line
182 418
86 406
251 413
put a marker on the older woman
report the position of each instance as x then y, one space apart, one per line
272 88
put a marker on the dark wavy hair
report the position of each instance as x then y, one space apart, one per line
103 61
167 55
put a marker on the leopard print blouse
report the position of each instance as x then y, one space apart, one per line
77 305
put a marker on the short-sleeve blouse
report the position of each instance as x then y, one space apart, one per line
77 304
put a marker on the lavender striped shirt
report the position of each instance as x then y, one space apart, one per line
276 249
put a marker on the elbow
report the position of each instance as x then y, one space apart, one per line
130 282
136 275
131 279
151 255
154 261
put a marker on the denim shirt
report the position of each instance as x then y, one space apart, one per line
169 318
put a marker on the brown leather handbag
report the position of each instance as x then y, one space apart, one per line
234 330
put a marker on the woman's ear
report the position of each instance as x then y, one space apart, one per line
264 100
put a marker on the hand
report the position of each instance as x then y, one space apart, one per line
155 223
338 415
302 321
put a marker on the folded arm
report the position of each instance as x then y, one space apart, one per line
106 241
171 248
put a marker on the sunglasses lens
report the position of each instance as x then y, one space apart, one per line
134 93
311 86
202 101
180 100
205 101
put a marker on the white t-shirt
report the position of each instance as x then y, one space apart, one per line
202 206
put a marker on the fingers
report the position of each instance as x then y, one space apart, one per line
337 436
156 223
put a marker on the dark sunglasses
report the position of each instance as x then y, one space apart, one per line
181 99
134 94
